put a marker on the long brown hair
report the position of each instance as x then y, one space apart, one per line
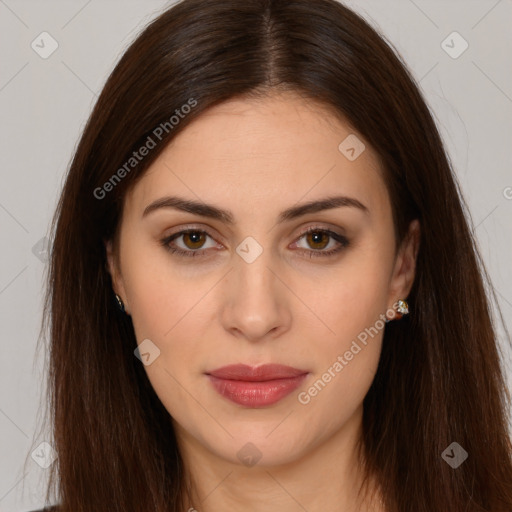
439 379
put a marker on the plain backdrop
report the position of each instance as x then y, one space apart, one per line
44 103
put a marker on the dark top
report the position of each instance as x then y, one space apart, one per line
47 509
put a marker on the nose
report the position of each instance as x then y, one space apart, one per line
255 298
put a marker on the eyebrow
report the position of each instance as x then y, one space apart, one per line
225 216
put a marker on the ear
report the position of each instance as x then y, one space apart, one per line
115 273
405 265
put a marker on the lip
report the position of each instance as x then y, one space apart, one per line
256 386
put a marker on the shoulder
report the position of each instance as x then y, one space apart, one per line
53 508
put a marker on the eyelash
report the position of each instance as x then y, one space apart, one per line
343 241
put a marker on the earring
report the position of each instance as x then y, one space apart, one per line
403 307
401 310
120 303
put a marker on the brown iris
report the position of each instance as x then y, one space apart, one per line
197 239
316 236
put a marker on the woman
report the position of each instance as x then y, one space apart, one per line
263 291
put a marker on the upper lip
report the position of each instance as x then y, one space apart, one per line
256 373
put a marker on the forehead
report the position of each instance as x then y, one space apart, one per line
264 153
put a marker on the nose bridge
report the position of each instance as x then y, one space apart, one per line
252 269
255 305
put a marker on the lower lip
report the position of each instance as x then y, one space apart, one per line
256 394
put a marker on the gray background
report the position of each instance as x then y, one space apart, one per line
44 104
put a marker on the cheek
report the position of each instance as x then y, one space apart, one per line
347 357
166 308
354 298
351 307
355 333
161 297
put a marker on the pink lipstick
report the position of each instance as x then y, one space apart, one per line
256 386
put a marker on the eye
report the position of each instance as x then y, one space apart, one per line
193 241
318 238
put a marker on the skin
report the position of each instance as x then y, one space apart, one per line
256 158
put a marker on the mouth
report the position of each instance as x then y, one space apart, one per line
259 386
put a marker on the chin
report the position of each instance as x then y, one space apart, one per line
261 450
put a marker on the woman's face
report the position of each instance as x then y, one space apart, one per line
257 290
